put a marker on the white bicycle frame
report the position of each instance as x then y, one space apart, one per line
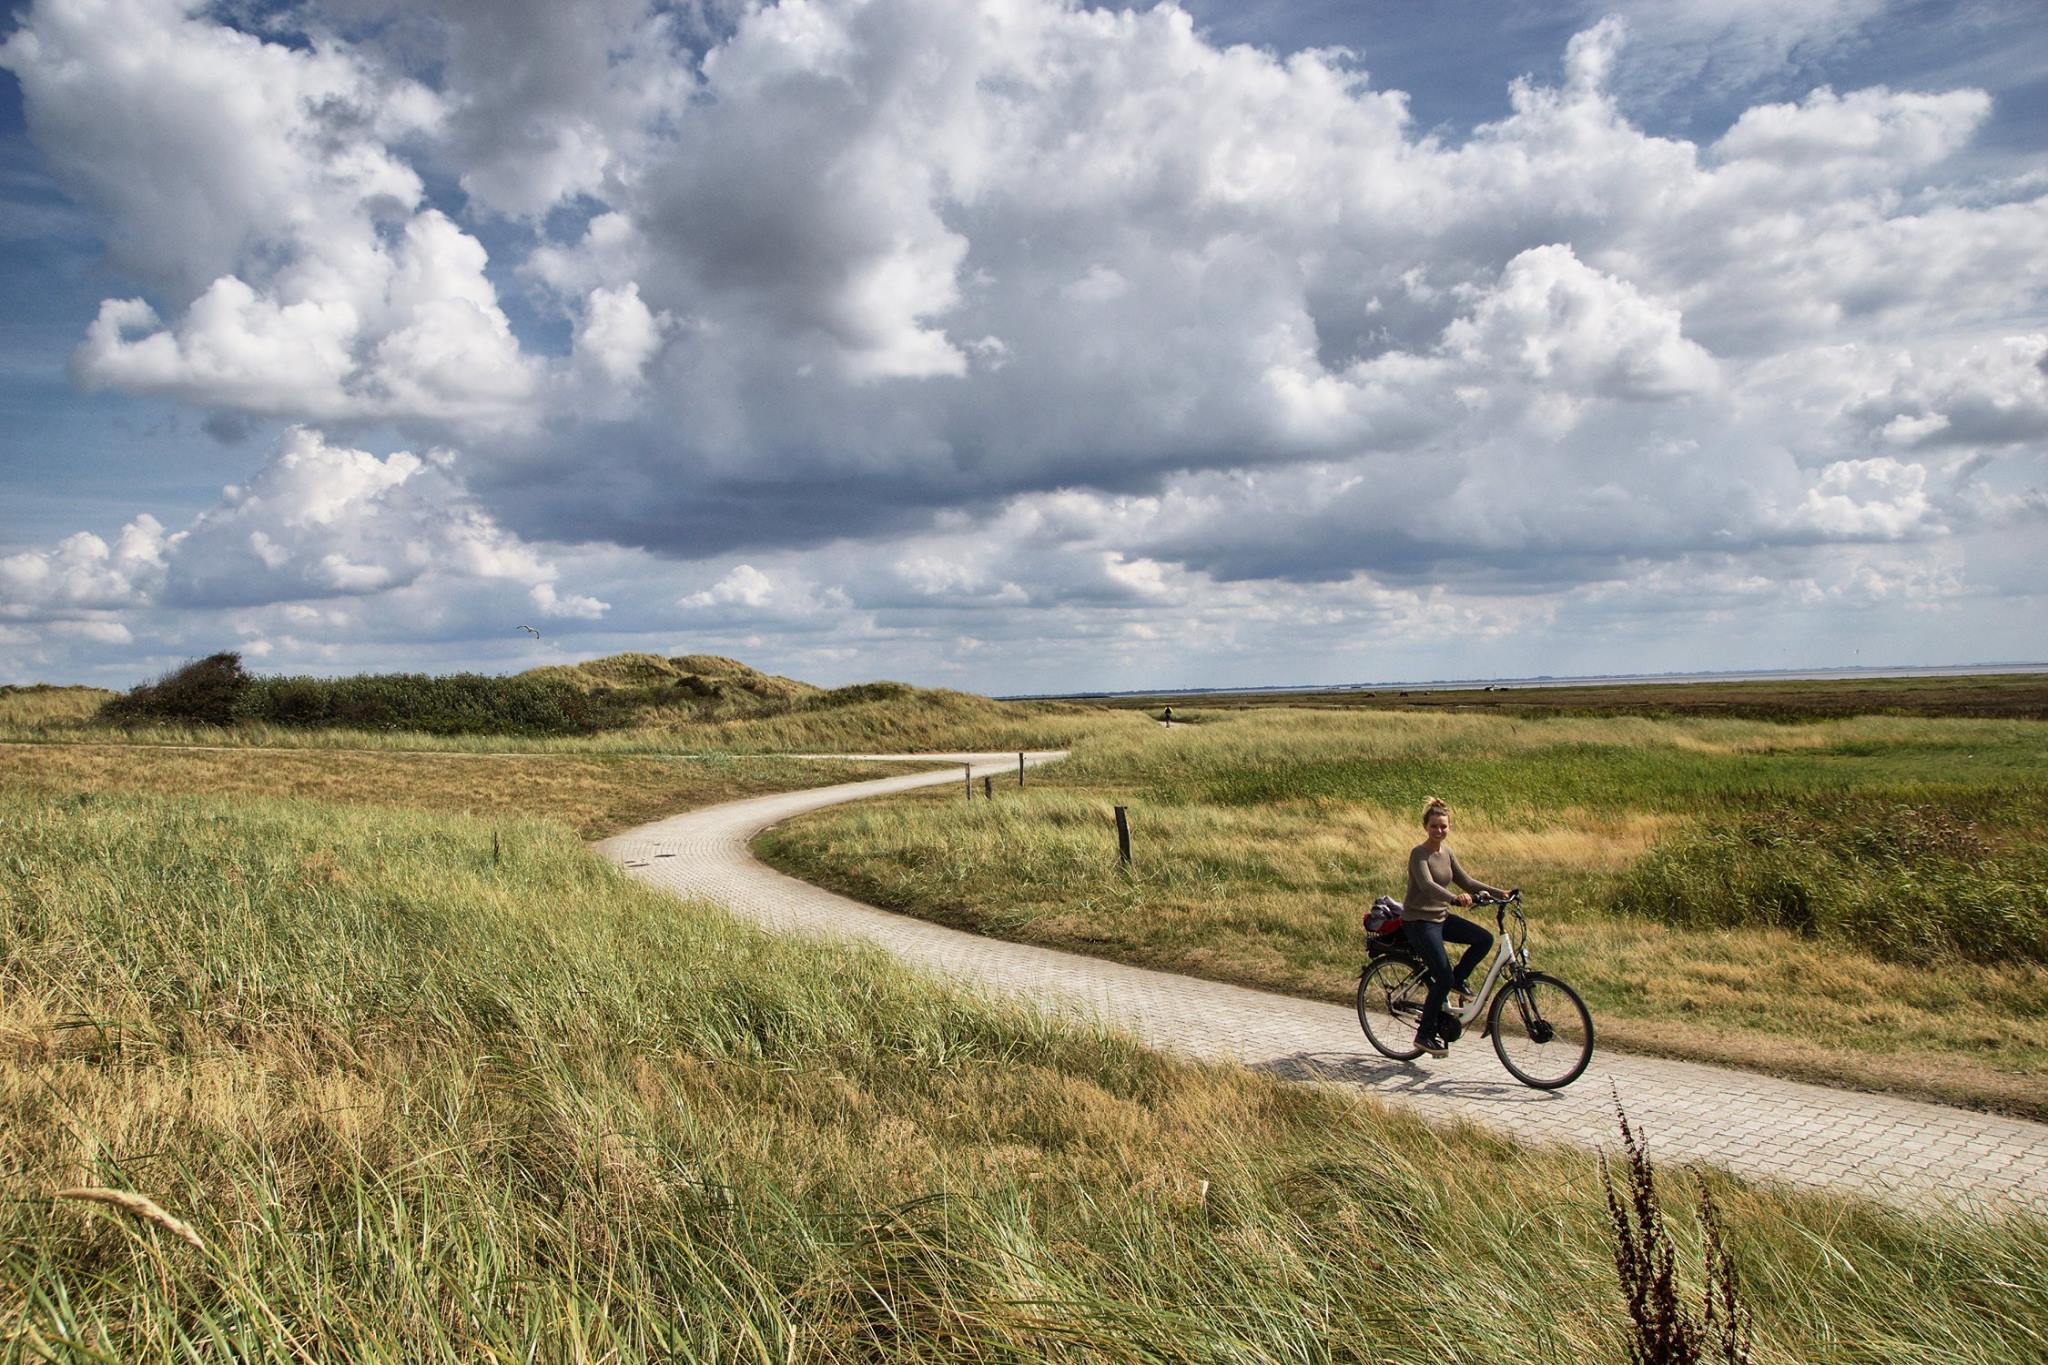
1506 953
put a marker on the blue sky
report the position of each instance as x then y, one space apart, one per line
1022 346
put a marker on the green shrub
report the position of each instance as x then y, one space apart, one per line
217 691
1904 878
208 691
458 704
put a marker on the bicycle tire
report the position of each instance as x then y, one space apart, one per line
1379 986
1546 1012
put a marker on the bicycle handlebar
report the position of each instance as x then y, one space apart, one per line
1501 905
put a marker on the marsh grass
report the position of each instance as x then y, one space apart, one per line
1261 836
593 795
2019 695
421 1105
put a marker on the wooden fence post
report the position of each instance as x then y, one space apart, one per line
1020 770
988 785
968 768
1123 835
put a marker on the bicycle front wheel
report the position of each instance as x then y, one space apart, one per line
1541 1031
1390 995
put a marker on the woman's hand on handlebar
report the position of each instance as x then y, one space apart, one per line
1464 900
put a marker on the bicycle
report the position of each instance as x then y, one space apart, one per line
1540 1028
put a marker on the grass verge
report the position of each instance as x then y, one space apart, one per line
1261 836
419 1104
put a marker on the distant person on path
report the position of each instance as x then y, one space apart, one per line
1166 718
1436 883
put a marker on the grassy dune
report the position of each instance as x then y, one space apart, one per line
1886 861
41 705
619 704
419 1104
875 718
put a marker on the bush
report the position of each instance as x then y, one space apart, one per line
208 691
1903 878
217 691
458 704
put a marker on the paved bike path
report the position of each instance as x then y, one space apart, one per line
1905 1152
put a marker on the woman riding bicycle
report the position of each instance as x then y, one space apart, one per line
1436 883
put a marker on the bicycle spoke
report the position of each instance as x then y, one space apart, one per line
1390 996
1542 1032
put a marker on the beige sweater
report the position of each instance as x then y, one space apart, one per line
1430 879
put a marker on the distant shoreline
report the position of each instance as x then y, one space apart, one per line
1548 680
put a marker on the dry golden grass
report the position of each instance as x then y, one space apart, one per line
43 705
595 795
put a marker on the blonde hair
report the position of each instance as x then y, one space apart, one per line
1432 806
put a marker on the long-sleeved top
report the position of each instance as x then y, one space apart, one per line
1430 879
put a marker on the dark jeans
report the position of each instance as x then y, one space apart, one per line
1428 941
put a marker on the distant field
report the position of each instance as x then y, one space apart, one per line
594 796
422 1103
1858 900
2017 695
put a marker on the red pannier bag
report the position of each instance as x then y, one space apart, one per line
1383 927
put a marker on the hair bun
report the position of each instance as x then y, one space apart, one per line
1431 805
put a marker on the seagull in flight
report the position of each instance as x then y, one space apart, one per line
531 631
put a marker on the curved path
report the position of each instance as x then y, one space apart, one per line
1901 1151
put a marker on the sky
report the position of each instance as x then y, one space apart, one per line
1023 346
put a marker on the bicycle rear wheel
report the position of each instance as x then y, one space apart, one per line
1541 1031
1390 995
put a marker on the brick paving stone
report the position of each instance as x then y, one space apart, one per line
1903 1152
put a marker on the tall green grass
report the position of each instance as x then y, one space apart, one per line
1501 765
1901 873
425 1104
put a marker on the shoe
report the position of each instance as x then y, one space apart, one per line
1434 1045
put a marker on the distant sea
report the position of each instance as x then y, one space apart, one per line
1548 680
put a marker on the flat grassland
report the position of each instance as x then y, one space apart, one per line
425 1103
594 795
2017 696
1859 900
